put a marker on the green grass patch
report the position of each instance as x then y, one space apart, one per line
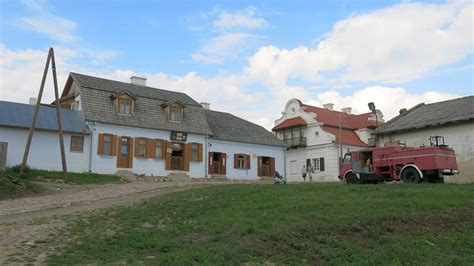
293 224
72 178
14 188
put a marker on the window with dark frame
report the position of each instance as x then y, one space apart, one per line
141 147
241 161
195 152
107 145
77 144
159 149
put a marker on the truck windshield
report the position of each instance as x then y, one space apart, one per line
347 158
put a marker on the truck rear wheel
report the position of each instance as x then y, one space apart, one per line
352 179
411 175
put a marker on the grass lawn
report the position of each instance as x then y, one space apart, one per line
294 224
15 185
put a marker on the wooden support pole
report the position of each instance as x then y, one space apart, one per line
58 112
35 114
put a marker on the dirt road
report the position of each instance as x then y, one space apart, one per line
26 220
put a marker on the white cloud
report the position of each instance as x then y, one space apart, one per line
394 44
21 70
43 21
224 46
387 99
232 39
242 19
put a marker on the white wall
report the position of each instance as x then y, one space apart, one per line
296 158
460 137
44 150
254 150
147 166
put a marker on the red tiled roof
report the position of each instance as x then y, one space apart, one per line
349 137
331 118
296 121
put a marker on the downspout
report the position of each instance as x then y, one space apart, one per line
92 128
206 154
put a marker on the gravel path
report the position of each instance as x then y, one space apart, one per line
25 221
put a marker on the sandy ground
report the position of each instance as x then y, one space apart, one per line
26 220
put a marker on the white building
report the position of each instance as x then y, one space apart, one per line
15 121
314 136
453 119
242 150
135 128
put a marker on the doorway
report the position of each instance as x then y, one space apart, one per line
177 156
124 158
217 163
266 166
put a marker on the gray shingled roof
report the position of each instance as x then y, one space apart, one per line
229 127
21 115
148 112
425 115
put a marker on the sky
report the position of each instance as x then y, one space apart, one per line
248 57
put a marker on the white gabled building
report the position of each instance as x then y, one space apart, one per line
313 137
139 129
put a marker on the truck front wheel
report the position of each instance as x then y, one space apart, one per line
411 175
352 179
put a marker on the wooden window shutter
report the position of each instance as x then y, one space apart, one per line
150 148
137 148
321 164
167 157
199 152
223 164
272 166
188 153
247 161
209 164
100 147
113 146
259 166
236 161
163 148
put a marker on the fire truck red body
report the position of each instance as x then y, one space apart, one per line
409 164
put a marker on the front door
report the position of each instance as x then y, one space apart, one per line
217 163
124 158
177 156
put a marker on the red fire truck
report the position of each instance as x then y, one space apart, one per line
395 163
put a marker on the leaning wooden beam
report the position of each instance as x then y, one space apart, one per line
58 113
35 114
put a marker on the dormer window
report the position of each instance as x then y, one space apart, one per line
174 111
124 103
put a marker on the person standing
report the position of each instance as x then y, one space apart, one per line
310 171
304 172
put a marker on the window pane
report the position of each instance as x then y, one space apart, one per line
158 152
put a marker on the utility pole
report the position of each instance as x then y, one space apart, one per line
35 114
340 138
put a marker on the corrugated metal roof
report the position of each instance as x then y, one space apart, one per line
229 127
21 115
425 115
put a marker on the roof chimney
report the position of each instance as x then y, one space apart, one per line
206 106
346 110
32 101
328 106
403 110
138 81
